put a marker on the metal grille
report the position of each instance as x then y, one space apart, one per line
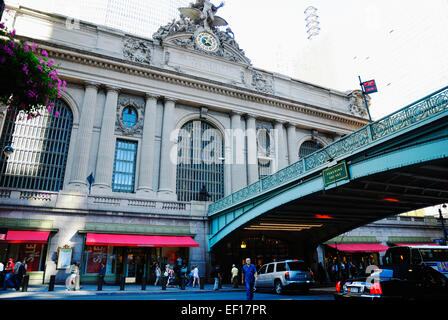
308 147
199 162
40 149
123 178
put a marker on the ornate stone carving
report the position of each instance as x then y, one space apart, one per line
262 82
357 105
137 50
124 102
200 17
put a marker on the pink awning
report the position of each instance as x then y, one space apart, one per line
417 244
27 236
359 247
131 240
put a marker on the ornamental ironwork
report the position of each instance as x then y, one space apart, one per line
423 109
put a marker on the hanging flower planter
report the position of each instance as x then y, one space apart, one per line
29 82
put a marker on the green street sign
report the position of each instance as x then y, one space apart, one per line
336 173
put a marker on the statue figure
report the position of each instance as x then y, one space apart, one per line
204 10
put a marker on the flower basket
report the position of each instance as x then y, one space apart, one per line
28 82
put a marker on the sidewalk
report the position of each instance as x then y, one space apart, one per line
115 289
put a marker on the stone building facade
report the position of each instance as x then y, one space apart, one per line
134 110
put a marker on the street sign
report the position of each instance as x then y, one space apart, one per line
369 86
336 173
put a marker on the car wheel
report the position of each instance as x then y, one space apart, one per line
278 287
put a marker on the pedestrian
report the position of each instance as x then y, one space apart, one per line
249 275
183 273
70 281
216 274
2 273
102 273
10 278
158 273
234 273
196 276
77 276
21 272
171 277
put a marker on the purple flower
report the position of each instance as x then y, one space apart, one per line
40 68
2 25
25 69
12 33
44 53
12 44
26 48
56 114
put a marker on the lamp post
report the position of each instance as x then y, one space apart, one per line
445 233
2 8
8 150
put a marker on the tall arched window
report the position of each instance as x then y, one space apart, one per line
200 161
40 149
308 147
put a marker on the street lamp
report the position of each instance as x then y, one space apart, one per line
2 8
8 150
445 233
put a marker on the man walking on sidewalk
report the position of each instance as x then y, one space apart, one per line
249 276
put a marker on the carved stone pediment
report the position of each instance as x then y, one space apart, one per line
183 32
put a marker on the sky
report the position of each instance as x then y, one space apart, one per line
401 44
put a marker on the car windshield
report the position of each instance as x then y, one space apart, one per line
297 266
434 254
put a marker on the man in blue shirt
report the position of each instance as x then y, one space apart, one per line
250 276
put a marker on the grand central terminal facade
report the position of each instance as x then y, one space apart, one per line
150 131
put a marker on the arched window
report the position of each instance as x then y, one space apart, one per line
200 162
40 149
308 147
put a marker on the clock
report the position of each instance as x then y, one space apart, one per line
207 42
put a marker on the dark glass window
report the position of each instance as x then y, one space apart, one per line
297 266
129 117
123 178
281 267
40 149
270 268
308 147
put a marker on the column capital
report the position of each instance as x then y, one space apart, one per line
251 115
112 88
291 124
280 122
236 113
170 99
149 96
91 83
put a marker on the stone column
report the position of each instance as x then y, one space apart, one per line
168 157
252 159
292 143
78 180
280 144
238 166
106 148
146 173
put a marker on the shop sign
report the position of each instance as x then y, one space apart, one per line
64 258
96 256
336 173
31 252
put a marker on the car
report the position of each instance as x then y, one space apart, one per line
395 282
283 275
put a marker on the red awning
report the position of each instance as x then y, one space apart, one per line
131 240
27 236
417 244
359 247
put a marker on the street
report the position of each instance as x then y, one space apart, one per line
314 294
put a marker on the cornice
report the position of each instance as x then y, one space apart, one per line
211 86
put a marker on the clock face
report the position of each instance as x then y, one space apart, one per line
207 42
